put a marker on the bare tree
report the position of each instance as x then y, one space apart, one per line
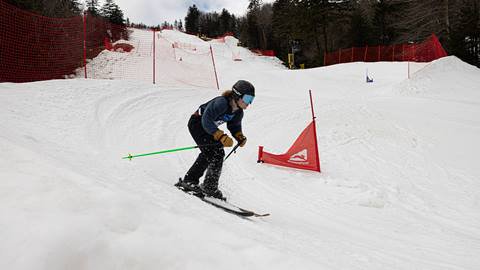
264 22
60 8
424 17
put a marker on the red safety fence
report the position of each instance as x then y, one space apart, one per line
152 56
98 31
34 47
183 63
270 53
221 38
427 51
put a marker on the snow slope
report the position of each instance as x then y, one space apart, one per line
399 185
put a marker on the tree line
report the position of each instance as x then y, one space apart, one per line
312 27
69 8
210 24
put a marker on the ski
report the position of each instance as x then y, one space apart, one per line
231 208
221 204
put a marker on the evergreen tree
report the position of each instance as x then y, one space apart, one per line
466 32
253 35
225 22
49 8
385 31
92 7
112 12
254 4
31 5
192 20
116 16
107 9
61 8
317 25
209 24
165 25
180 25
360 30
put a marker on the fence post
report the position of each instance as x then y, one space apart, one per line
414 52
153 30
85 43
352 54
314 131
408 69
365 56
214 67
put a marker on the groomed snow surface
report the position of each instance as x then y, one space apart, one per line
399 188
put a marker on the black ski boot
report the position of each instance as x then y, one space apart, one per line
188 186
213 192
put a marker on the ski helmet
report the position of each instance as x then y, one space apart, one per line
242 87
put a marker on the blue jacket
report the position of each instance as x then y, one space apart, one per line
218 111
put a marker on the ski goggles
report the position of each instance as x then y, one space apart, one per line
248 99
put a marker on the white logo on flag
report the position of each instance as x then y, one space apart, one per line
299 158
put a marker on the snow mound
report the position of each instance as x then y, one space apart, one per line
231 41
178 36
435 80
448 64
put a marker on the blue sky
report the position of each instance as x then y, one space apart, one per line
153 12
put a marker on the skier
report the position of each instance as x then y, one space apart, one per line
203 126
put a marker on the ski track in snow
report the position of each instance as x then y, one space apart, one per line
398 188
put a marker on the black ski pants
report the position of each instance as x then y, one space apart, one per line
209 159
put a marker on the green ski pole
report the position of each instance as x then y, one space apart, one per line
130 156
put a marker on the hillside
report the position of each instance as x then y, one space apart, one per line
399 185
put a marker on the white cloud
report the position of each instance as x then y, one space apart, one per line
153 12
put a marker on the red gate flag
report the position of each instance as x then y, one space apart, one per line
303 154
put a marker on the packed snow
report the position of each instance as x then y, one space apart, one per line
399 187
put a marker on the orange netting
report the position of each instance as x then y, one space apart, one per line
34 47
426 51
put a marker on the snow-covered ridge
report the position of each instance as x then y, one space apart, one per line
448 77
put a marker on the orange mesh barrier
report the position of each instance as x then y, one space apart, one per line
427 51
34 47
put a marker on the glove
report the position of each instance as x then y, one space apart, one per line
223 138
241 139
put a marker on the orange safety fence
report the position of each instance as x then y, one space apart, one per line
34 47
427 51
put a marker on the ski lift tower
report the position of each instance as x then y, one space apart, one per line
295 48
